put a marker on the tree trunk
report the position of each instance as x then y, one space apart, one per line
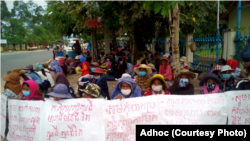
93 44
114 39
106 39
175 41
137 44
25 46
20 46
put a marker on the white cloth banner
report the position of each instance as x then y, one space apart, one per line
196 109
74 120
25 120
238 107
3 114
121 116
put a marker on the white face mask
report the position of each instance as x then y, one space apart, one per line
157 88
126 92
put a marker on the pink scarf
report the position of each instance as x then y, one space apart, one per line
216 90
166 72
61 61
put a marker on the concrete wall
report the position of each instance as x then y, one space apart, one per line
229 45
245 19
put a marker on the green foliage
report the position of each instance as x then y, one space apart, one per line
26 23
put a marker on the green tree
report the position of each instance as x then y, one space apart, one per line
5 15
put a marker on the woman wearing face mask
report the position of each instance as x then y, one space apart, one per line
91 91
29 91
157 85
143 71
210 83
165 69
108 61
126 88
100 81
226 78
183 85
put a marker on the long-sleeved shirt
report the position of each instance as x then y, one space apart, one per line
36 78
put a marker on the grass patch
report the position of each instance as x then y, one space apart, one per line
207 52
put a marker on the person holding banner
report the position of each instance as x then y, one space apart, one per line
210 83
227 79
60 92
91 91
126 88
183 85
157 85
29 91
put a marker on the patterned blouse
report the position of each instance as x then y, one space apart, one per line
142 81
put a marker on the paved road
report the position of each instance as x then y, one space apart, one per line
13 60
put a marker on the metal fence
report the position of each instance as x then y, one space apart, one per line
205 54
182 46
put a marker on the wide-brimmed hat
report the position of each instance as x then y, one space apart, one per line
216 68
157 76
93 90
29 67
152 66
209 76
164 58
149 70
187 72
97 70
226 68
104 66
61 91
125 75
38 66
94 64
12 77
77 57
166 54
183 59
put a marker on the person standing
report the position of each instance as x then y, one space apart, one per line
77 47
54 53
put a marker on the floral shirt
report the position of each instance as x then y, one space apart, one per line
142 81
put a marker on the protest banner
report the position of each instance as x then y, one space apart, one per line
3 114
25 120
193 109
238 107
75 119
121 116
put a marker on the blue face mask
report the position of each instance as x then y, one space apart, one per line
92 69
142 73
226 76
184 80
96 77
26 93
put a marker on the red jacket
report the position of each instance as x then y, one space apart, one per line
150 92
85 68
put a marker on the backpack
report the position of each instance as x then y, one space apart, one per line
245 54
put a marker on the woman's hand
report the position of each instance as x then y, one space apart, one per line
20 96
119 97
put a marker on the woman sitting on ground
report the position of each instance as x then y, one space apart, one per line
126 88
44 75
60 92
100 81
91 91
210 83
29 91
157 85
144 71
33 75
55 66
183 85
63 65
